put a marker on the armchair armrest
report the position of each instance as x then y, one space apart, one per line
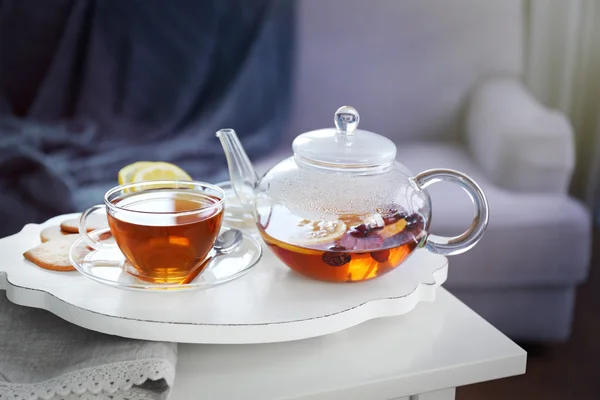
520 144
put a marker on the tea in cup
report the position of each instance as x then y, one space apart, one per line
165 229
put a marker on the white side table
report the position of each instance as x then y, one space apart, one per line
423 355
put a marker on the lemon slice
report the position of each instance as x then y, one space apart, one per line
160 171
319 232
393 229
127 172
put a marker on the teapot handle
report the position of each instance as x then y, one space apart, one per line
461 243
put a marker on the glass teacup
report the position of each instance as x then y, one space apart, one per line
165 229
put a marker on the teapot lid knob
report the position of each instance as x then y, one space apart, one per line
346 120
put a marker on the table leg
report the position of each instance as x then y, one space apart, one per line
444 394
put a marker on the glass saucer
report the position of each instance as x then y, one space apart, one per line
107 266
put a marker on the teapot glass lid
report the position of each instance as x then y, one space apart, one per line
345 146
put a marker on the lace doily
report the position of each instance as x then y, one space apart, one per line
110 381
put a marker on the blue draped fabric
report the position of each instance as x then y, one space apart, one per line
88 86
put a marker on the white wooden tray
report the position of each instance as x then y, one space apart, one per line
269 304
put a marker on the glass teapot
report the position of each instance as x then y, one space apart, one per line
342 209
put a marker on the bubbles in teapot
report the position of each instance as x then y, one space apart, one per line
325 195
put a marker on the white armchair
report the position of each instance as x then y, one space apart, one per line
442 79
520 144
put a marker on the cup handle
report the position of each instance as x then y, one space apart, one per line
94 244
461 243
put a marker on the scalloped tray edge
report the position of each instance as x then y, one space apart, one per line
222 333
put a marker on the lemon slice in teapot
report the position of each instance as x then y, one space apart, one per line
319 232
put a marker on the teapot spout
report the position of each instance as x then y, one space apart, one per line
241 172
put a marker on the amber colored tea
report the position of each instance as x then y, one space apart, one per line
169 233
359 253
